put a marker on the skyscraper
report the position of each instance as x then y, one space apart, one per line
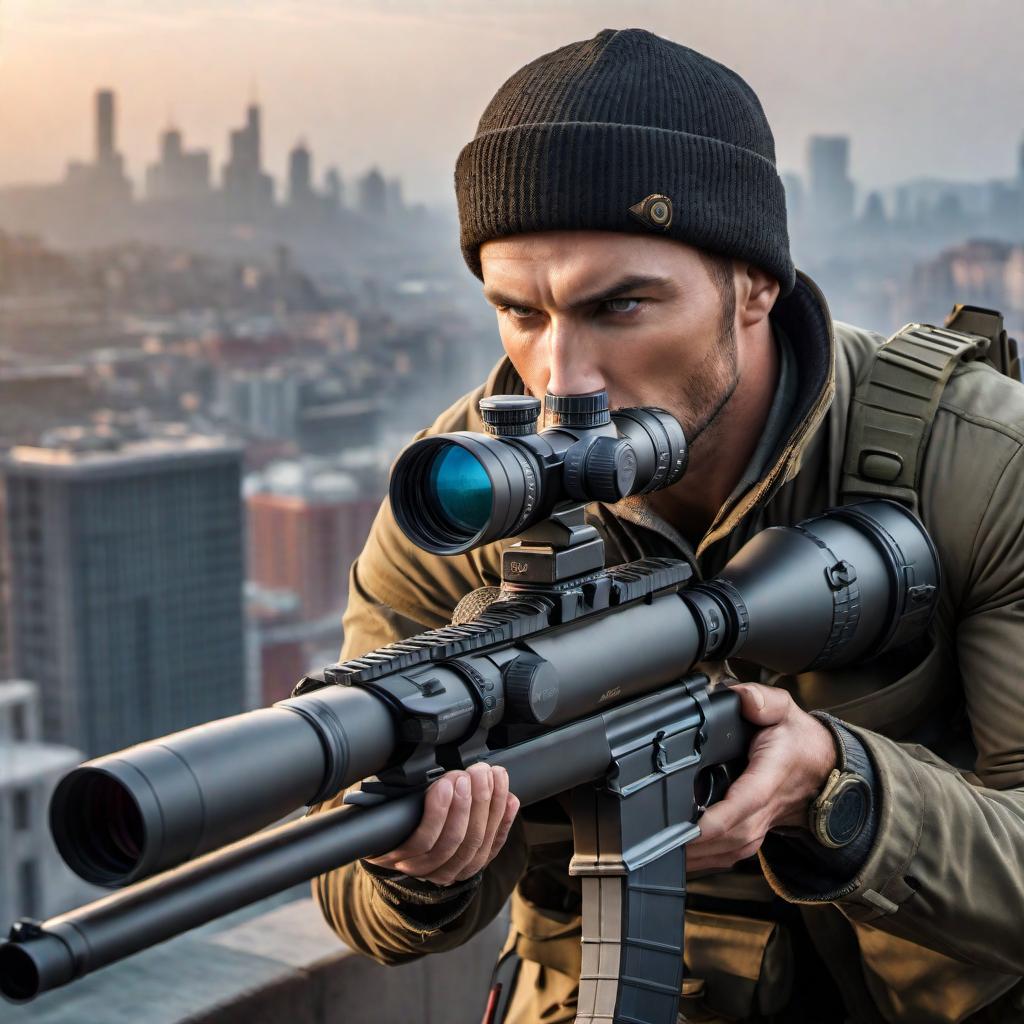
125 570
105 146
179 173
103 181
300 176
373 194
831 190
334 189
248 191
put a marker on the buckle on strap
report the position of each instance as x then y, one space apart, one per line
894 407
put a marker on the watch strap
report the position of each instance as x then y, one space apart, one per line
852 757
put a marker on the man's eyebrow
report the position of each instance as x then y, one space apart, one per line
626 284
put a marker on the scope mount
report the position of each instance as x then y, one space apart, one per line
556 559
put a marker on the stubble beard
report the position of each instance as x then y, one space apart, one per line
707 392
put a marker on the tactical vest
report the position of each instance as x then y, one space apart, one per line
895 404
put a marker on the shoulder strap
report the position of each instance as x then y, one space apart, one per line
894 407
1003 351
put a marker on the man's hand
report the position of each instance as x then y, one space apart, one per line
789 761
466 820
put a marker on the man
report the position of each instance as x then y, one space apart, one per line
621 204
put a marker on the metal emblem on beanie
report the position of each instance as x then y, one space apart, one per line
655 211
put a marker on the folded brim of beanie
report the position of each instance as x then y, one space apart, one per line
585 175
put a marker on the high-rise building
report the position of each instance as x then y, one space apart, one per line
874 216
306 527
248 191
300 177
394 201
334 189
103 181
831 191
373 194
105 145
265 402
33 879
124 562
179 173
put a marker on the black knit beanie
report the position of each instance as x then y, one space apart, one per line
627 132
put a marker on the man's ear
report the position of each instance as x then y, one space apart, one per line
756 294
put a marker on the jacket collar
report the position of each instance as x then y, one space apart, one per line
804 316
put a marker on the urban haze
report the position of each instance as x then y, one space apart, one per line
231 289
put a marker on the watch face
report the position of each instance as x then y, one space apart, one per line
848 813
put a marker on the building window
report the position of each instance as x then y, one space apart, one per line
22 810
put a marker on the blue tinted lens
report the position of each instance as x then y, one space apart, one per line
461 487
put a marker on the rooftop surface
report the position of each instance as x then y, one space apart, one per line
274 962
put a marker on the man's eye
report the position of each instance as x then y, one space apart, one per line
519 312
622 305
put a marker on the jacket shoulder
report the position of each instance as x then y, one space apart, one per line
980 394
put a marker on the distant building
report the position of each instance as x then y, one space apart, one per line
306 527
394 200
248 191
334 189
830 190
105 150
794 189
979 272
874 211
265 402
33 879
179 173
300 177
1014 280
104 180
124 567
372 193
275 642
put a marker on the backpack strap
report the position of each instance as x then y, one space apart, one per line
1003 351
894 407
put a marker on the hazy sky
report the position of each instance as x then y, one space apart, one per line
920 86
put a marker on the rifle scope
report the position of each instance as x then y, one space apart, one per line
453 492
837 588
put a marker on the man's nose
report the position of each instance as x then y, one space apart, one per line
573 367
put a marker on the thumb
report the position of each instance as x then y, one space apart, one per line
763 705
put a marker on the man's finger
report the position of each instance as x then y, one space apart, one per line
763 705
745 799
499 798
435 813
451 836
476 829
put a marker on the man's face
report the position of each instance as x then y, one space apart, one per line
641 318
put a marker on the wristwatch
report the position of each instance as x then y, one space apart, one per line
837 816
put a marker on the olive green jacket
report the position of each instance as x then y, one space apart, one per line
931 928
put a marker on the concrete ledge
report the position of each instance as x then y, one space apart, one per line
270 965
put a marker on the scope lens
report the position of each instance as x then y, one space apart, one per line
461 487
101 835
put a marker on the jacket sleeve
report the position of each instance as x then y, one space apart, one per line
382 918
946 870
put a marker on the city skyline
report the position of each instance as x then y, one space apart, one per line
402 84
